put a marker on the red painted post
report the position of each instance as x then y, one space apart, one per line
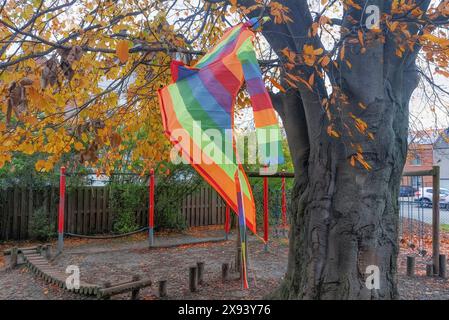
265 209
227 218
284 204
151 210
61 209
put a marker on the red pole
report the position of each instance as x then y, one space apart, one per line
151 210
284 204
61 209
227 217
265 210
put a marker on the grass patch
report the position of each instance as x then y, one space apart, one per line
444 227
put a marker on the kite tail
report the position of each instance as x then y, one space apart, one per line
242 229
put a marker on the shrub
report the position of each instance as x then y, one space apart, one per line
41 226
126 199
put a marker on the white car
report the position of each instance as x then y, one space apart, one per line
425 195
444 202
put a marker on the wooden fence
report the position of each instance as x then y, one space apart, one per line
88 210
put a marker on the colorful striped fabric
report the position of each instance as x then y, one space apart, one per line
199 102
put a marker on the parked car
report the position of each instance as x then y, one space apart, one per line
424 195
444 202
406 191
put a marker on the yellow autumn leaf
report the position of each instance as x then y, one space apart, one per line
78 146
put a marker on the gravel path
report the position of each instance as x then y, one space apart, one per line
117 260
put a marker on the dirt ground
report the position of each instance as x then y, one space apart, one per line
117 260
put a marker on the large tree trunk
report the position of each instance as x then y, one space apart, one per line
344 217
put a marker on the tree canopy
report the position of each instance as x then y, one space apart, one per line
81 77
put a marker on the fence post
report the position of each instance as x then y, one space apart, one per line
265 209
61 209
442 264
151 210
284 204
436 219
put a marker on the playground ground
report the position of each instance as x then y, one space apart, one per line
117 260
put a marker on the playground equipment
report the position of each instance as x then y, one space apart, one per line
151 212
39 265
150 215
266 211
151 221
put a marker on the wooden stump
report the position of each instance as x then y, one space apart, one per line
225 272
14 254
200 266
193 279
135 292
410 266
107 285
429 269
47 251
442 263
162 288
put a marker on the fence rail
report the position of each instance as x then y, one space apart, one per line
88 210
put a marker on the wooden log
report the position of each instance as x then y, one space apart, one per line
442 263
48 252
162 288
106 285
135 292
22 250
410 266
429 269
14 253
126 287
200 266
193 279
225 272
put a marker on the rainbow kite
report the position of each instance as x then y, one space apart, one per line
198 116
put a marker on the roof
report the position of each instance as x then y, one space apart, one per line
427 136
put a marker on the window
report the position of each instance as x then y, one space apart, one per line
416 161
416 182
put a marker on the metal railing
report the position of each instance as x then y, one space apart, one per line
418 212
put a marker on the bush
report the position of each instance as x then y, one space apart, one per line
41 226
129 194
126 199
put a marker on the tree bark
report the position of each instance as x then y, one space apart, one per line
344 216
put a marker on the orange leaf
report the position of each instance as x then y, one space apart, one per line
325 61
342 52
353 161
291 84
312 79
122 50
360 35
277 85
